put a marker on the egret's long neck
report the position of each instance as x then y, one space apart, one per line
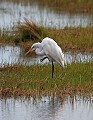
39 51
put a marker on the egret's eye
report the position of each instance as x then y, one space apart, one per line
33 48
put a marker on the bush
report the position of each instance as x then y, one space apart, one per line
30 31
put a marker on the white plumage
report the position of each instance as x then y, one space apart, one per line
51 50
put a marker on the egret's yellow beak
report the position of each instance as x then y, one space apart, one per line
28 51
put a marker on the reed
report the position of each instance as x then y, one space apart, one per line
73 39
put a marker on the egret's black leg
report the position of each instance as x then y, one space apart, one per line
41 60
52 69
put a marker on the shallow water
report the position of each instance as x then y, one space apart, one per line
13 12
47 108
11 55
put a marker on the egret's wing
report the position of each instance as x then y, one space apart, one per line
53 51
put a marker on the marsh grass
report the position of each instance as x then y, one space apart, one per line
63 5
75 39
36 80
69 5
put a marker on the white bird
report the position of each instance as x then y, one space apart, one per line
50 49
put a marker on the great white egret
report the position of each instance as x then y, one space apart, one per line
50 49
